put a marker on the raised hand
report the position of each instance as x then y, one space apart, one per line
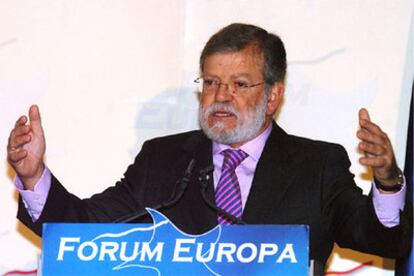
378 151
26 148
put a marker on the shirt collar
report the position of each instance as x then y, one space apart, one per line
253 148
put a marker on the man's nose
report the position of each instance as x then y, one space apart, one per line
224 92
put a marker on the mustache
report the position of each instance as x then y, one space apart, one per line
224 107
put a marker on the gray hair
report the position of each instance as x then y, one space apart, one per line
237 36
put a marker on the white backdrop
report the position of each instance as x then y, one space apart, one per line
108 75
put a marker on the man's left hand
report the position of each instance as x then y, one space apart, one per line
377 148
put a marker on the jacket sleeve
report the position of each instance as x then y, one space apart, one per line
125 197
353 220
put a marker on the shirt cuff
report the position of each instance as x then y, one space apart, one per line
388 206
34 201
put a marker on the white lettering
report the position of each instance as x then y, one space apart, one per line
287 253
93 253
185 250
63 247
146 251
178 249
253 252
108 248
134 253
267 249
226 249
201 257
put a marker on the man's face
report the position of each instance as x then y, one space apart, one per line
228 117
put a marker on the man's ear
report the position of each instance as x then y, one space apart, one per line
275 97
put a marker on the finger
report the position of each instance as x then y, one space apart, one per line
34 116
20 130
370 126
21 121
374 162
17 132
364 115
365 121
372 149
17 156
19 141
374 138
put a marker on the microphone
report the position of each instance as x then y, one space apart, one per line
203 179
181 186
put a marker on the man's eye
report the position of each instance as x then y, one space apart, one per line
209 82
240 84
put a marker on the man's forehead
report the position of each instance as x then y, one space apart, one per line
247 58
251 51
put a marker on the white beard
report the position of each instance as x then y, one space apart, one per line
248 124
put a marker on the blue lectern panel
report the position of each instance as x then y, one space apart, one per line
162 249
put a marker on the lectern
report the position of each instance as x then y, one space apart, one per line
163 249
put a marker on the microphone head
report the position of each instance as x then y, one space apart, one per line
204 176
207 170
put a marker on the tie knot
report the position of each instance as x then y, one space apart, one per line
233 158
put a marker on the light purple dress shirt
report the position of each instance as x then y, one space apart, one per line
387 206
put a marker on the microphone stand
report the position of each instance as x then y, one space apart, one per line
203 179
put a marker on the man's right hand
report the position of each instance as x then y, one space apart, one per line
26 148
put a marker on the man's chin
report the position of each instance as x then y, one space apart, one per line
222 125
222 135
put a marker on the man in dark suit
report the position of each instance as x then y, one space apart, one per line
280 178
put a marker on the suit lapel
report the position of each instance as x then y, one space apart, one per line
271 180
200 147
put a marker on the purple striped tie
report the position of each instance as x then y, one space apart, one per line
228 195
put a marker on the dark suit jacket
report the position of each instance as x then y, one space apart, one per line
297 181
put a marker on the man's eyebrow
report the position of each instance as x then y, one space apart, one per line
247 75
210 76
241 75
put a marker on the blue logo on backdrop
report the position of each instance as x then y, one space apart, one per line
163 249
